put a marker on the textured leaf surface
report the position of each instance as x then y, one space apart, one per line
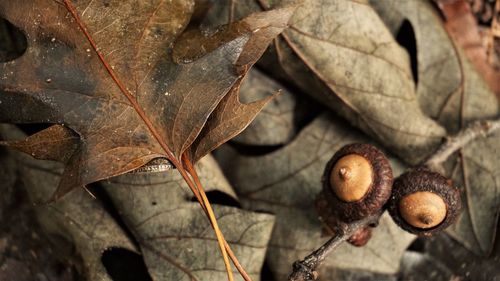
65 78
77 222
361 72
452 92
275 123
286 183
174 235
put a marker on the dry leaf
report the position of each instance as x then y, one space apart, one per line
464 263
454 94
174 235
229 119
417 266
352 64
117 87
286 183
77 222
462 26
275 123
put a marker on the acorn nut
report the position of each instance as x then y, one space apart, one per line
361 236
357 181
424 202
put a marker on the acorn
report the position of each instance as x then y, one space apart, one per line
424 202
357 182
331 222
361 236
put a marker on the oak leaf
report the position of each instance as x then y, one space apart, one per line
80 227
286 183
452 92
351 63
175 238
104 69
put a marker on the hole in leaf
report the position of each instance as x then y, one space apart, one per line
12 41
124 265
219 198
406 38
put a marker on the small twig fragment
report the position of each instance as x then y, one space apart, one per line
305 269
482 128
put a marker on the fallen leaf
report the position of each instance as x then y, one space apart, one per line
117 86
417 266
174 235
464 264
77 224
286 183
454 94
462 26
56 143
229 116
275 123
350 62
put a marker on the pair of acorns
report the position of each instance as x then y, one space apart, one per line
358 183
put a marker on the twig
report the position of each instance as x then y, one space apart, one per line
452 144
305 269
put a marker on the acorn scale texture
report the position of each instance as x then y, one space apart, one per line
421 180
378 193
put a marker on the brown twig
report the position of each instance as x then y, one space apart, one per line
305 269
452 144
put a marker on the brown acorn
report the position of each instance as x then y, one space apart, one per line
424 202
361 236
331 222
357 182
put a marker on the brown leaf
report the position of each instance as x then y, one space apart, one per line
55 143
274 125
117 87
79 225
453 93
286 183
350 62
463 28
228 119
173 234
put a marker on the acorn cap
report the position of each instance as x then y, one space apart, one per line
424 202
357 181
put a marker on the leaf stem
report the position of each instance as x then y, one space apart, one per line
230 252
195 188
209 211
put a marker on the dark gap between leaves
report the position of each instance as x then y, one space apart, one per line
438 10
253 150
13 43
216 197
266 273
417 246
306 109
33 128
124 265
406 38
98 191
